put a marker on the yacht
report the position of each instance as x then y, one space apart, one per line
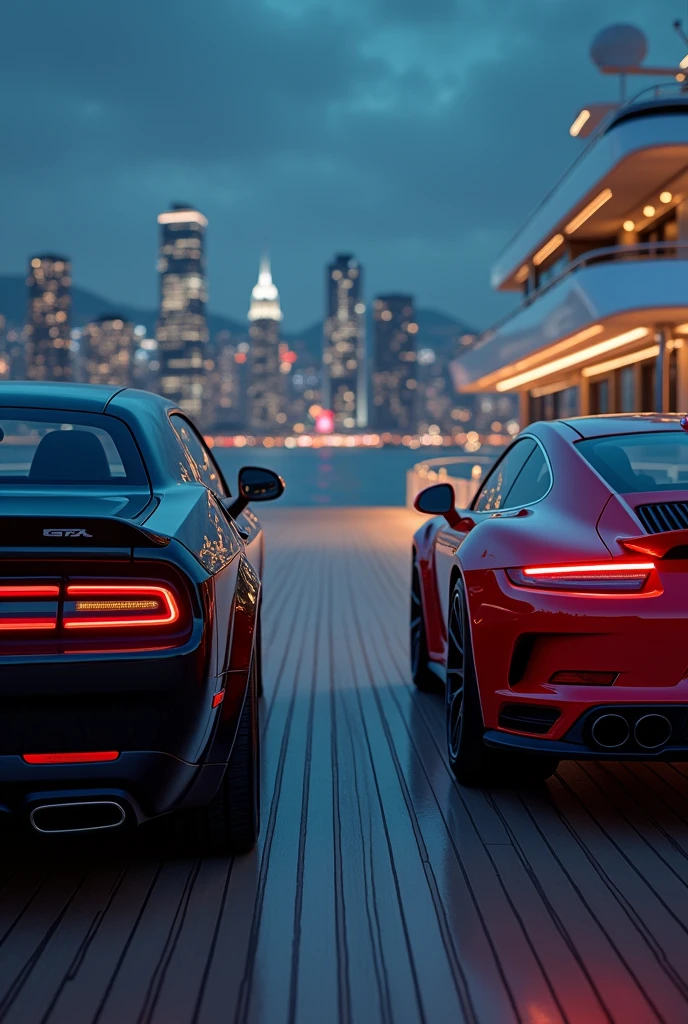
602 268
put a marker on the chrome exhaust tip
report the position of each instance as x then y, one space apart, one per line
610 731
652 731
77 816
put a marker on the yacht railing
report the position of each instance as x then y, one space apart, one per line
463 472
661 91
606 254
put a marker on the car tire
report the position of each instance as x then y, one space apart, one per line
473 763
231 822
422 676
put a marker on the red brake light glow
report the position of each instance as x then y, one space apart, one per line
88 757
625 569
23 624
16 616
610 577
154 606
9 592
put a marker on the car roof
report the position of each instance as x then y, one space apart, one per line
48 395
77 397
623 423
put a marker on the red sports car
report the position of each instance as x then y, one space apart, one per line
554 612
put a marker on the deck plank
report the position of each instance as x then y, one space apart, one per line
381 890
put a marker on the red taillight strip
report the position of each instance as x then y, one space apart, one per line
28 623
77 758
28 591
165 595
619 567
14 591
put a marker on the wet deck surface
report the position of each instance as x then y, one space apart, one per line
381 890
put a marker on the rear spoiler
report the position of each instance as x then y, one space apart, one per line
74 532
657 545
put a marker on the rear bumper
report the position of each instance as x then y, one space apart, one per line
156 701
522 639
146 783
579 744
575 751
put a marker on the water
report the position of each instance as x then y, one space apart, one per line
335 476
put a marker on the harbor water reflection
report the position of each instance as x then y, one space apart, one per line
320 477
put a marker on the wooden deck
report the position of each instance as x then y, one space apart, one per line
381 891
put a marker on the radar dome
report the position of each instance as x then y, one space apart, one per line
619 46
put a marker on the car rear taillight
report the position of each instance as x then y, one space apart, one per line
121 606
28 606
105 612
609 578
117 615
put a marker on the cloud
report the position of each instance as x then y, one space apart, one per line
418 135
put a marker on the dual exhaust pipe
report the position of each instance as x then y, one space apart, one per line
77 816
650 732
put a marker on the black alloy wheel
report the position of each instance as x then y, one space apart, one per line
472 763
421 674
456 670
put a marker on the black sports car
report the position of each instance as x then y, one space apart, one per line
129 618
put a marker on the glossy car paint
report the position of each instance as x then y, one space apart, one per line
642 638
154 706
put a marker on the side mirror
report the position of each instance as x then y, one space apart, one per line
440 500
255 484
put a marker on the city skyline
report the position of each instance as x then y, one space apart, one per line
375 367
171 290
395 380
248 379
106 302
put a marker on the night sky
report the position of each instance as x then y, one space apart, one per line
417 134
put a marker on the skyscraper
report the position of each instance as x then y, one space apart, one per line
266 391
344 384
394 364
47 323
182 332
228 415
108 344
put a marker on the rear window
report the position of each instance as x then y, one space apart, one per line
640 462
54 448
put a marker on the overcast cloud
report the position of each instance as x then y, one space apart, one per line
417 134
